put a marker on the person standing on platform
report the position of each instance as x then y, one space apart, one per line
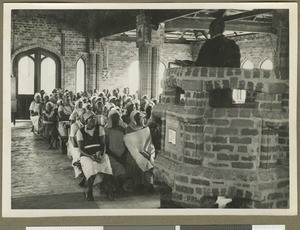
219 51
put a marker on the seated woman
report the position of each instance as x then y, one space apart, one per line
98 110
116 149
64 111
35 112
129 107
49 118
76 124
140 160
94 162
148 114
77 112
46 98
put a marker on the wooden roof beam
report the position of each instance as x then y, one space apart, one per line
247 14
203 24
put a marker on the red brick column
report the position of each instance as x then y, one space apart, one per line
148 42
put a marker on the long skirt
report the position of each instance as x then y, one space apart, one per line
117 168
36 123
47 129
74 154
90 167
62 128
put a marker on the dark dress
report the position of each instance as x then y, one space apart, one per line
219 51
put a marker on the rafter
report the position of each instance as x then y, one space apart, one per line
247 14
203 24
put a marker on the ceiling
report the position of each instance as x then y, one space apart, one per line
181 26
194 26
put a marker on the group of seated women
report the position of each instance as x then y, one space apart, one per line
111 138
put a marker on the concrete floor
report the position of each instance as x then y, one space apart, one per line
44 179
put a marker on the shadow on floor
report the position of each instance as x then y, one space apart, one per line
56 201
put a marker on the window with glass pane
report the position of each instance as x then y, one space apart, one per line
80 75
248 65
267 65
134 77
26 76
48 74
162 69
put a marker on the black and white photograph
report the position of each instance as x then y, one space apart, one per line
149 109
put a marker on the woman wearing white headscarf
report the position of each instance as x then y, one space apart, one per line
116 149
35 112
49 121
76 124
140 160
94 162
148 114
78 112
65 109
136 122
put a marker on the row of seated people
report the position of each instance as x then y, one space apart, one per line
109 145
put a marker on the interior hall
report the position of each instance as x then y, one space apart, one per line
110 108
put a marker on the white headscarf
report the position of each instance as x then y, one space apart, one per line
36 95
132 114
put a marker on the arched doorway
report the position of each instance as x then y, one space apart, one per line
36 69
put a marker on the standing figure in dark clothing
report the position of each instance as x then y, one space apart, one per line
219 51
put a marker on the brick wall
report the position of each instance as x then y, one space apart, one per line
170 52
230 151
35 30
30 29
120 56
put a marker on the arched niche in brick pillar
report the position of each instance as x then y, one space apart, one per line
235 150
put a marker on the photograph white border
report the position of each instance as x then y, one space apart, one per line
6 149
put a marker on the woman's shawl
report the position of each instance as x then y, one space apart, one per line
139 144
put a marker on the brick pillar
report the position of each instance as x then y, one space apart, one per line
63 42
281 23
98 74
155 72
145 69
148 42
92 73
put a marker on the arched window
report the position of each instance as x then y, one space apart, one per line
80 75
26 76
247 64
134 77
266 64
162 69
48 73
